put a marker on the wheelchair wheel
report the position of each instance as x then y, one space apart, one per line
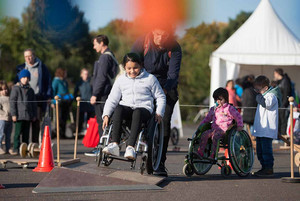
200 167
241 154
99 156
225 171
188 170
155 145
174 136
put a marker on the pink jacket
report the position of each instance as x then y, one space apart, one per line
232 96
223 116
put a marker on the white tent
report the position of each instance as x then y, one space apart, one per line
260 45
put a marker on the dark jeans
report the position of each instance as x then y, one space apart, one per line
99 111
172 97
36 125
64 107
21 127
137 117
282 122
85 108
264 151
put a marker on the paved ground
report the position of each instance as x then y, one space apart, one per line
20 182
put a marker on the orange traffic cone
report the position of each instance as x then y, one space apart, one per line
46 161
227 156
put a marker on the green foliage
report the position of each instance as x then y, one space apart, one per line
60 36
197 45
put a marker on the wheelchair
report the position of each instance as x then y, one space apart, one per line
238 145
149 145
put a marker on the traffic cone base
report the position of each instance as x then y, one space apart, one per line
46 160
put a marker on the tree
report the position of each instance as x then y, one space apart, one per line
60 35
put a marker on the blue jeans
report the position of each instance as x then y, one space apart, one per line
5 130
264 151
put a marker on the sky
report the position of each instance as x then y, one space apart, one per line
100 12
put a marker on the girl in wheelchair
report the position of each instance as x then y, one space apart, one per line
132 98
222 116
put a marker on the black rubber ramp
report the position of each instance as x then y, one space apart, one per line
67 180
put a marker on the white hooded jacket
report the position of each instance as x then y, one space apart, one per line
136 92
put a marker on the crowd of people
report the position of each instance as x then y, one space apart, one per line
151 73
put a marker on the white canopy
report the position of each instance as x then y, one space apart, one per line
263 41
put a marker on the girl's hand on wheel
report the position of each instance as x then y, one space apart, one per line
105 122
158 118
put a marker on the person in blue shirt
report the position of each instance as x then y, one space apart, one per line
61 89
161 55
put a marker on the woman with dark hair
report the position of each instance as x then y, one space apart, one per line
60 88
248 100
132 98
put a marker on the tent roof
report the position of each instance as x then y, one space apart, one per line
263 39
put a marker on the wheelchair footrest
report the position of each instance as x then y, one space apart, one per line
120 158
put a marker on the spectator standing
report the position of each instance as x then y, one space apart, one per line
84 90
23 108
248 100
231 92
61 89
265 125
40 82
5 118
105 71
284 84
161 55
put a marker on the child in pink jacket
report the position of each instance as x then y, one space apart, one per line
221 116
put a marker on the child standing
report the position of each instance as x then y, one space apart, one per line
23 108
84 89
5 118
221 116
265 125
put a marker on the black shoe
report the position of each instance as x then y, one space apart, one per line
161 171
265 172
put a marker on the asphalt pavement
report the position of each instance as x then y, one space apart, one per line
20 182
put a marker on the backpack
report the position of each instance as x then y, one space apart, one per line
147 45
116 70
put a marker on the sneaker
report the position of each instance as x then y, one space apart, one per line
94 152
112 149
161 171
266 172
13 152
130 153
2 151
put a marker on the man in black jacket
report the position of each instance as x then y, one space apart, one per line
40 83
161 55
105 70
284 84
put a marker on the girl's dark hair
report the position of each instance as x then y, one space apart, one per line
133 57
3 85
220 92
262 81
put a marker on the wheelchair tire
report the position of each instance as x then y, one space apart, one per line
99 157
188 170
174 136
200 168
225 171
155 142
241 154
